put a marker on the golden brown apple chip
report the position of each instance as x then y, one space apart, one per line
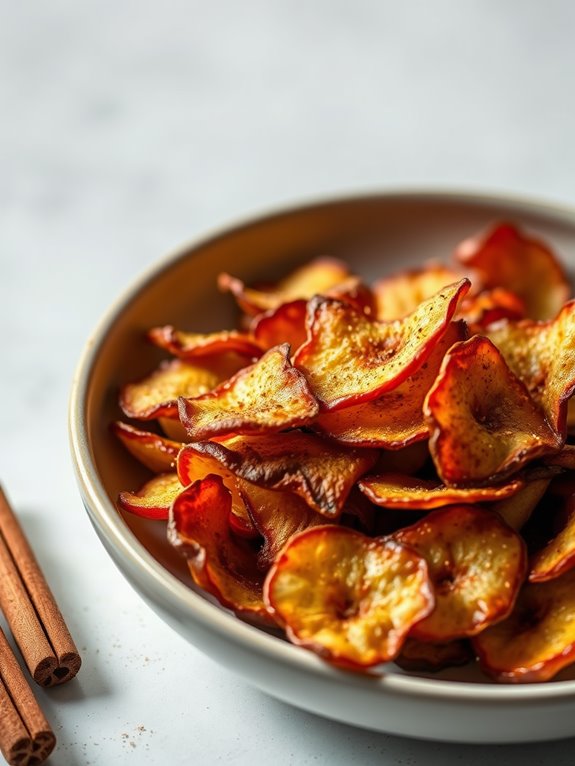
400 294
318 471
313 278
277 516
266 397
154 451
505 257
483 423
191 345
153 499
393 490
476 565
538 639
394 420
349 358
558 556
157 394
542 355
284 324
219 561
349 598
429 657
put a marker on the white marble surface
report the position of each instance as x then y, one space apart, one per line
126 128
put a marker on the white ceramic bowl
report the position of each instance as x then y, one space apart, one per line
376 234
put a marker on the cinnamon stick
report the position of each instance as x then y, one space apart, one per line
30 608
25 735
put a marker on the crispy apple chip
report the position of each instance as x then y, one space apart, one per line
266 397
191 345
558 556
152 450
430 657
220 562
483 423
349 358
153 500
538 639
505 257
350 598
313 278
277 516
393 490
157 394
542 355
400 294
321 473
476 565
394 420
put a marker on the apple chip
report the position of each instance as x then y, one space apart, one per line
313 278
393 490
542 355
157 394
558 556
538 639
191 345
350 598
349 358
429 657
483 423
319 472
505 257
394 420
152 450
476 565
219 562
266 397
277 516
153 500
400 294
284 324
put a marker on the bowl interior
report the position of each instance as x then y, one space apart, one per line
375 235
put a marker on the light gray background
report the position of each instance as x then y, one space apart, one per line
126 128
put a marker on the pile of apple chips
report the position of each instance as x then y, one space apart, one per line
381 471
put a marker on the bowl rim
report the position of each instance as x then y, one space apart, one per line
164 585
